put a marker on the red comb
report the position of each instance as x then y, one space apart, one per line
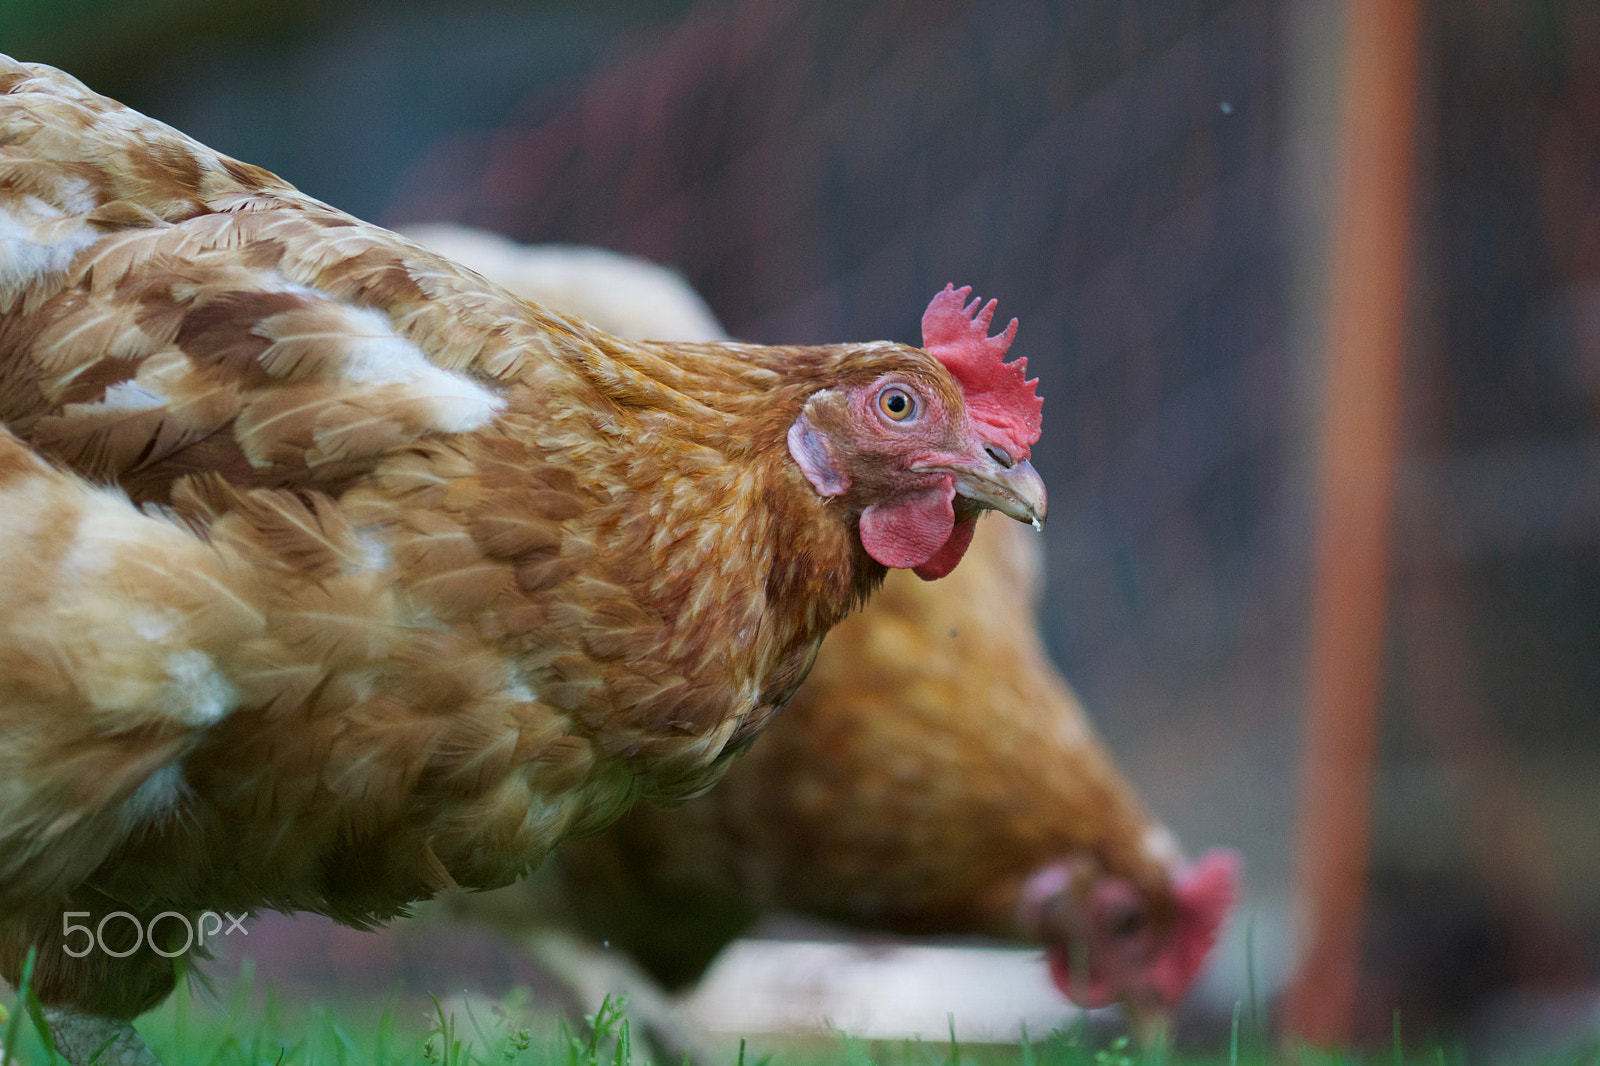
1204 894
998 394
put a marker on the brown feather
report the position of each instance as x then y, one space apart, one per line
400 580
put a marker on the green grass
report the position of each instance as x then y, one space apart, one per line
257 1029
263 1031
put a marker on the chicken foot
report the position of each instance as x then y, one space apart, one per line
79 1034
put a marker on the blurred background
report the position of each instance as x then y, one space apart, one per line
1150 186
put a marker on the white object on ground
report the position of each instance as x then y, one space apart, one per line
879 992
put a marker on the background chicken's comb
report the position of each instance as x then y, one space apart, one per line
1204 894
998 393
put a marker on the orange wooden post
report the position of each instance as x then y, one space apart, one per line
1366 334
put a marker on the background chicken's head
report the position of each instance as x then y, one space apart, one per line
1109 940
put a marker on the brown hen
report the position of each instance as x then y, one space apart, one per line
336 575
935 774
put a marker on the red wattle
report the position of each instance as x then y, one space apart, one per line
945 559
909 531
1090 991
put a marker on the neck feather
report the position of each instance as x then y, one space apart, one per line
733 541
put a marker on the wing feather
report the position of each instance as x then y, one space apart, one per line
281 341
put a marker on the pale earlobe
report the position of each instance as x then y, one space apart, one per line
813 453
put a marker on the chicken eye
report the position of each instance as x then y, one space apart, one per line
896 404
1128 922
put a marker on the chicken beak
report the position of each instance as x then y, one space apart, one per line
1151 1024
1016 491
